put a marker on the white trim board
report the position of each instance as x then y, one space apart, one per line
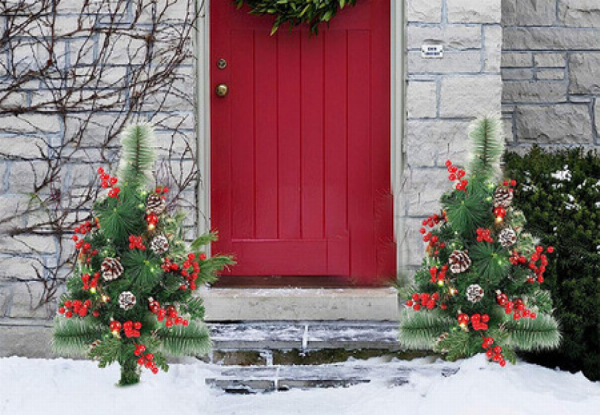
397 110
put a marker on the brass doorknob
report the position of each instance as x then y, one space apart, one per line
222 90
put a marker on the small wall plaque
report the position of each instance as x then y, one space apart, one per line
432 51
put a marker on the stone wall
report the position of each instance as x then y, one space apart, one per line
443 96
29 133
550 68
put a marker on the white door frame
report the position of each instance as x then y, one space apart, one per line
397 110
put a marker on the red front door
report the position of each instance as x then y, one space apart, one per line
300 145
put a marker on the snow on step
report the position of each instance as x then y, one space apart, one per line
314 335
241 379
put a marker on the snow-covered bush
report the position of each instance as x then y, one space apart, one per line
559 194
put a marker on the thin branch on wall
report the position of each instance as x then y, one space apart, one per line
73 73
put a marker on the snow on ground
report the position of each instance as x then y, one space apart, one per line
59 387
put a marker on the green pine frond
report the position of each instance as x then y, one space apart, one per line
137 155
194 307
487 148
72 337
203 240
459 344
185 341
467 213
541 301
490 261
420 330
108 351
539 334
142 269
120 219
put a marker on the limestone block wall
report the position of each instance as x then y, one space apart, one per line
29 133
550 68
442 97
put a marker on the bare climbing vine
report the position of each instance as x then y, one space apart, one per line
73 73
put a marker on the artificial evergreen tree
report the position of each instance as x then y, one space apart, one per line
130 300
479 289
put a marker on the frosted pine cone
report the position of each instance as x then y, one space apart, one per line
111 269
126 300
475 293
459 261
155 204
502 197
159 245
507 237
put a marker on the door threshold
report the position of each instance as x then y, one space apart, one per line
300 304
284 281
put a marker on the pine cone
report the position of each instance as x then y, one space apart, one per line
155 204
111 269
126 300
507 237
502 197
459 261
159 245
475 293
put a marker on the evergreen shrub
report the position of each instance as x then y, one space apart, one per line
559 193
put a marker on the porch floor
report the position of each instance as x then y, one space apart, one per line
300 304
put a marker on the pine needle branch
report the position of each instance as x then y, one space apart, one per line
185 341
72 337
539 334
137 155
420 330
488 147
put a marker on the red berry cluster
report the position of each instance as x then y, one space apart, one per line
130 328
163 190
168 266
108 181
429 237
70 308
479 321
90 282
500 213
426 300
510 184
484 235
152 220
85 227
136 242
516 307
531 263
493 353
438 274
517 258
189 271
457 175
169 314
543 262
146 360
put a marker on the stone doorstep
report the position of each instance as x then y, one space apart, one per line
305 336
282 378
300 304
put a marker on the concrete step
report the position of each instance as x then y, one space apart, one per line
304 343
300 304
282 378
305 336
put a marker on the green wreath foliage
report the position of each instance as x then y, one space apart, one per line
296 12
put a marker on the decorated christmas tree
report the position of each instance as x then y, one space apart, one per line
131 299
480 287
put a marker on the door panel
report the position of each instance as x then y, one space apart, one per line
301 145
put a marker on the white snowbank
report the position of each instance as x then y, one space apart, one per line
59 387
